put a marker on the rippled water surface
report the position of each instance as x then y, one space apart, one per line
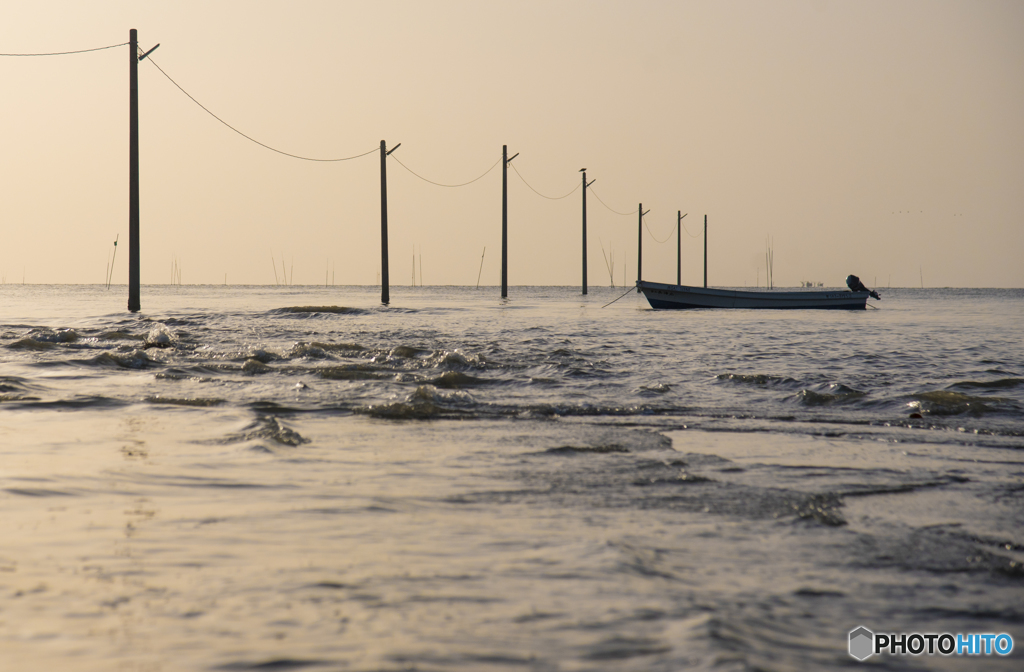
254 478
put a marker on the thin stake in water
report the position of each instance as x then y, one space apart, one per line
609 265
110 269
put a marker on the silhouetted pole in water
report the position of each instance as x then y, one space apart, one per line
585 185
705 251
133 172
504 218
639 244
504 221
385 295
133 168
679 247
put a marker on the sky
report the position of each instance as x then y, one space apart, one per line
879 138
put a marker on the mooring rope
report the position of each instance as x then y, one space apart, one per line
251 139
611 302
439 184
550 198
65 53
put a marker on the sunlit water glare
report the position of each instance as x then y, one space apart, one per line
252 478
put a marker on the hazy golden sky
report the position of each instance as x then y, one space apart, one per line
884 139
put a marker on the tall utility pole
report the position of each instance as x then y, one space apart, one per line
705 251
505 160
385 294
639 244
134 304
504 221
585 185
679 247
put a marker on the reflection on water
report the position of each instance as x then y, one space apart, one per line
248 480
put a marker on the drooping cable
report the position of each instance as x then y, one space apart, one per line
550 198
624 214
688 231
648 226
66 53
440 184
251 139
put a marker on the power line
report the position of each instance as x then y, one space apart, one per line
550 198
606 205
65 53
439 184
251 139
688 231
655 237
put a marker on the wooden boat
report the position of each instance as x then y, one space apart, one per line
662 296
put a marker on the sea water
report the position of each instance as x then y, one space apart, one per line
279 478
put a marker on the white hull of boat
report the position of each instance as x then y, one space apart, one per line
662 296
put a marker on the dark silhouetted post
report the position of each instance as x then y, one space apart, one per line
134 303
585 186
640 215
705 251
505 160
639 244
385 294
584 171
679 247
504 221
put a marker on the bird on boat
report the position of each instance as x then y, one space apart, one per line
855 285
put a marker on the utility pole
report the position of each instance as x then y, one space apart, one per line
504 218
705 251
679 247
134 303
385 294
585 185
504 221
639 244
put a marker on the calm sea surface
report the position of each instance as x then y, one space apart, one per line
285 478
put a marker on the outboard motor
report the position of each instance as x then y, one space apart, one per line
855 285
